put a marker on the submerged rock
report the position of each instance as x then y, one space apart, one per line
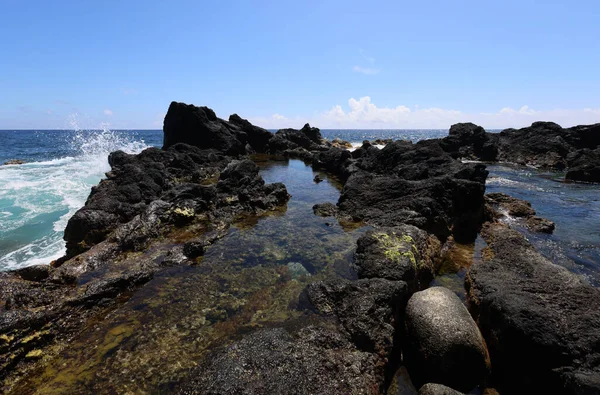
540 321
325 209
443 342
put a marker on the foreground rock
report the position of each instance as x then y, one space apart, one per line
540 321
315 360
443 342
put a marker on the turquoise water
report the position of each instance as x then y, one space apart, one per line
38 198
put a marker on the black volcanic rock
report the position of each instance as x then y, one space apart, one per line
367 309
584 165
400 253
200 127
539 320
257 137
314 360
470 141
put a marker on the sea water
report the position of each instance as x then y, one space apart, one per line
38 198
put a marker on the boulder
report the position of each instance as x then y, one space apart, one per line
403 253
540 321
443 343
437 389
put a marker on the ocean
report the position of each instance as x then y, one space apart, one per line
38 197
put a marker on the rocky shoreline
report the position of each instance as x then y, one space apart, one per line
531 326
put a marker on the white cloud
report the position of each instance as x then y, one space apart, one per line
108 112
365 70
364 114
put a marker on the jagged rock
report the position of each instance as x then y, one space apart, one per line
333 160
401 253
437 389
443 343
540 321
315 360
308 138
257 137
469 141
442 205
584 165
367 309
200 127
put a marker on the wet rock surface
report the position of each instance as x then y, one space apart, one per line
444 344
539 320
501 205
14 162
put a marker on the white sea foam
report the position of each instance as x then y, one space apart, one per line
37 192
356 146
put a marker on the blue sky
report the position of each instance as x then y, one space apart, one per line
346 64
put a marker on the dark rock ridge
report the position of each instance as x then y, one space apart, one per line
543 144
539 320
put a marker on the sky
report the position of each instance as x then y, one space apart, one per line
336 64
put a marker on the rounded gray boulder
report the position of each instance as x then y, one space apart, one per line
443 343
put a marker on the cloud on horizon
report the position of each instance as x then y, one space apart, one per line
108 112
364 114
